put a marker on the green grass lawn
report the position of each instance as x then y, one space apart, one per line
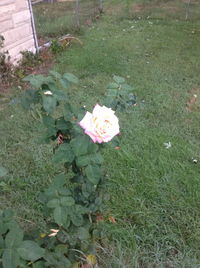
155 192
59 18
53 20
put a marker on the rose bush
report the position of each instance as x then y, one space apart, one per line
73 202
101 125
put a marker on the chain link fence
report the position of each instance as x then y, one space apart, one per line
54 18
162 9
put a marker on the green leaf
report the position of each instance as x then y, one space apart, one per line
112 93
14 237
55 187
55 74
3 171
83 234
63 262
85 160
53 203
50 258
80 145
1 241
113 86
30 251
51 131
93 173
62 125
28 98
60 95
48 121
2 244
65 192
98 201
49 103
126 88
4 222
77 219
8 214
39 264
63 249
63 154
92 147
59 181
64 83
97 159
38 80
108 101
60 216
118 79
71 78
68 113
81 210
10 258
67 201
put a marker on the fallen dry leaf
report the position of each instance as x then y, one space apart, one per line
191 102
99 218
112 220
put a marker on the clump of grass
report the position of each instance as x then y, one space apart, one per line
53 20
57 19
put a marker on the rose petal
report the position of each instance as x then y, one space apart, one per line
101 125
92 136
85 123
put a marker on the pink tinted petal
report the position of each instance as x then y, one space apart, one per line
85 123
92 136
93 128
99 139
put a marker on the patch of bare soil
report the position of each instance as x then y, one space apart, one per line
46 63
137 8
191 2
14 77
171 6
193 103
114 9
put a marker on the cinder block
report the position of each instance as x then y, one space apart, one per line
19 42
16 27
6 2
6 25
4 17
16 34
21 4
21 17
7 9
15 51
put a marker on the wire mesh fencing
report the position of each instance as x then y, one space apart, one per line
163 9
54 18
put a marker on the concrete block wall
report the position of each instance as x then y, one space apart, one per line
16 27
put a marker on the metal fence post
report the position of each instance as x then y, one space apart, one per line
33 26
100 6
77 11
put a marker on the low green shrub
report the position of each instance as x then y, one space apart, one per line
73 205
